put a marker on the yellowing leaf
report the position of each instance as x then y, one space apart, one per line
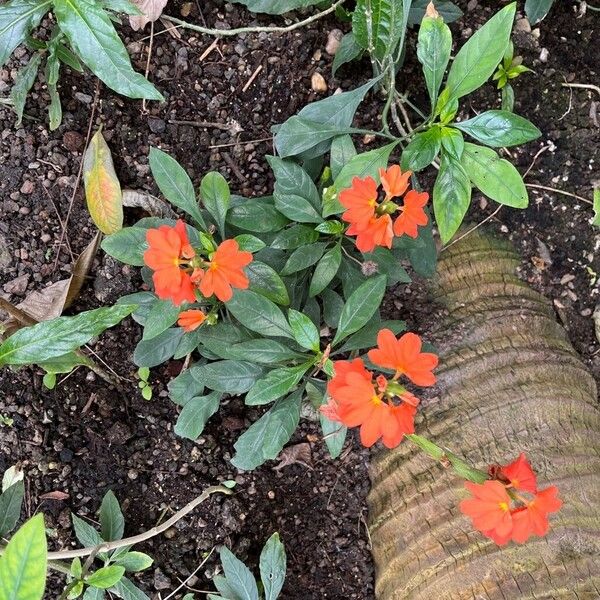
102 188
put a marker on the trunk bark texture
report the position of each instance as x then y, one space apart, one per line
509 381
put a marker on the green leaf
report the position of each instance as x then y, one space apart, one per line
249 243
304 330
106 576
332 307
367 336
216 196
361 165
476 61
68 58
536 10
325 270
23 563
360 307
259 216
303 257
275 7
378 25
196 412
112 522
175 184
335 111
10 507
422 150
93 37
135 561
388 265
85 533
452 142
126 590
348 50
494 176
265 439
127 245
49 339
275 384
229 376
25 79
259 314
264 351
265 281
162 315
294 237
451 196
185 387
342 151
272 567
499 128
596 219
238 576
151 353
433 52
17 19
54 108
448 11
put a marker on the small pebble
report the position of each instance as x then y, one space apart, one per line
333 41
318 83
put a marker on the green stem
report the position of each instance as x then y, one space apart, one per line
391 92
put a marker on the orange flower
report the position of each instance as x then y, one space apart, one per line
411 214
169 250
360 201
394 181
404 356
532 519
190 320
489 510
520 474
378 232
224 271
355 400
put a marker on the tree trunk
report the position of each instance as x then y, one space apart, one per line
509 381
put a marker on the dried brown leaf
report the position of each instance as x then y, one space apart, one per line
152 10
55 495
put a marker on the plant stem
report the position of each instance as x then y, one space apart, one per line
258 29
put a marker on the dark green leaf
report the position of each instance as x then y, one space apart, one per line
216 196
294 237
448 11
478 58
332 307
303 257
50 339
127 245
422 150
238 575
264 351
25 79
259 216
272 567
68 58
536 10
258 313
388 265
175 184
499 128
195 414
360 307
334 434
275 7
342 151
94 38
249 243
265 281
367 336
10 507
451 196
185 386
151 353
112 522
424 259
494 176
275 384
106 576
229 376
304 330
348 50
325 270
361 165
162 315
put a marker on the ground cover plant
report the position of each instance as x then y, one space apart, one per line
278 298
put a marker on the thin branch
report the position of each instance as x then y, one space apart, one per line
258 29
584 86
551 189
470 231
183 583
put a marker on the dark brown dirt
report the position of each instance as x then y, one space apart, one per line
124 443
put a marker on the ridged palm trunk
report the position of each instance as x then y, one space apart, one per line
509 381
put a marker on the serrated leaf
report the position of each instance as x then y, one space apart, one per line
93 37
25 79
272 567
102 188
195 414
494 176
112 522
50 339
451 196
11 500
23 563
499 128
216 196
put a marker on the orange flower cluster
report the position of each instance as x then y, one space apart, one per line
356 399
501 512
179 270
371 220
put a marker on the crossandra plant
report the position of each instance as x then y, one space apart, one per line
83 33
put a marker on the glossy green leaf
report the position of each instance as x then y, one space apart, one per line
216 196
294 237
17 19
68 58
93 37
229 376
249 243
451 196
49 339
304 330
536 10
23 563
264 351
377 26
348 50
135 561
265 281
175 184
476 61
259 314
11 501
275 384
265 438
238 575
127 245
325 270
342 151
452 142
361 165
303 257
106 576
332 307
508 98
447 10
258 215
112 522
162 315
272 567
196 412
494 176
499 128
433 52
151 353
25 79
360 307
422 150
